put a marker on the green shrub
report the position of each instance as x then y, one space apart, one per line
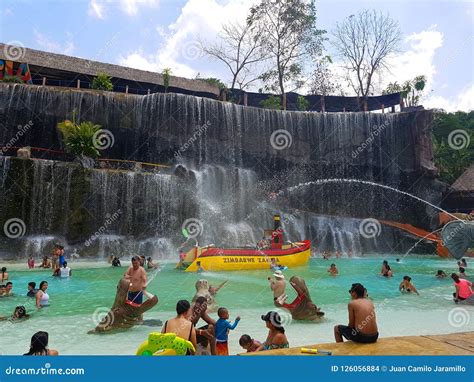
272 102
102 82
166 73
302 103
12 80
79 139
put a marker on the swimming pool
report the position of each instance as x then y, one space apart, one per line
77 302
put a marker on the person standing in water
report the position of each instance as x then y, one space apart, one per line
3 274
362 327
42 297
406 286
31 262
65 271
137 276
333 271
181 324
278 285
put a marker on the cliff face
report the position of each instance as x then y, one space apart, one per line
232 159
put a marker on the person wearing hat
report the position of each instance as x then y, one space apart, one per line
278 285
362 326
276 338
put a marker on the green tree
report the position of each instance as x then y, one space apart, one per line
453 158
102 82
302 103
12 80
411 90
272 102
289 38
166 73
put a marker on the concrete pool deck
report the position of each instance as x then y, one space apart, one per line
442 344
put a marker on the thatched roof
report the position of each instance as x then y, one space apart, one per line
90 67
466 181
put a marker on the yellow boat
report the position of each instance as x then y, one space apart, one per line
213 258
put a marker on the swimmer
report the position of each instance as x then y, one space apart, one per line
338 254
8 289
326 255
349 254
31 289
249 344
386 271
463 263
2 290
407 286
18 314
333 270
116 262
46 263
31 262
42 296
181 325
137 276
440 274
397 260
3 274
151 265
462 273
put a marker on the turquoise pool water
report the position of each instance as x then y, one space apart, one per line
77 302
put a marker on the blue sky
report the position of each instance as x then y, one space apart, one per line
153 34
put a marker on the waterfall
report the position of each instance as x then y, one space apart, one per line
233 163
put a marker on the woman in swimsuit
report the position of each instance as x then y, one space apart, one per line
407 286
42 297
39 345
181 325
276 332
18 314
3 274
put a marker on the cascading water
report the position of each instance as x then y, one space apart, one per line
232 172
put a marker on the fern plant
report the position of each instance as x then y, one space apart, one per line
102 82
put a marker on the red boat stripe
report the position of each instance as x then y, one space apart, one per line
254 252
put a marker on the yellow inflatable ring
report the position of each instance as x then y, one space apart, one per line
164 344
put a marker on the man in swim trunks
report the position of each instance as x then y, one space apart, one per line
204 334
137 276
278 285
362 326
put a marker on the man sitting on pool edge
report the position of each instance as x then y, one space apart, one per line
362 326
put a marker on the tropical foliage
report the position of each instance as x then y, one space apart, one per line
411 91
79 138
272 102
453 157
166 73
102 82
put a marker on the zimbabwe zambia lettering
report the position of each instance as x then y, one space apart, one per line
245 259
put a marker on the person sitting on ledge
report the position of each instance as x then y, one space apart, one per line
46 263
463 288
362 326
116 262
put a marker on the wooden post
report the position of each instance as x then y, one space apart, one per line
44 81
402 106
283 101
223 95
344 109
78 84
393 109
323 104
383 109
246 99
126 89
365 105
148 92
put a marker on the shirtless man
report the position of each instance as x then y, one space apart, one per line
362 326
204 334
278 285
137 276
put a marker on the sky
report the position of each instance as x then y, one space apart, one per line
438 36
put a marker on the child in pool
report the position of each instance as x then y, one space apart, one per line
333 271
441 274
462 273
406 286
222 331
249 344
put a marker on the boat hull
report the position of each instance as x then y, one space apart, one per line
220 259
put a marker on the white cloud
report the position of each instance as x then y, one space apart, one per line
180 49
464 101
49 45
98 8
